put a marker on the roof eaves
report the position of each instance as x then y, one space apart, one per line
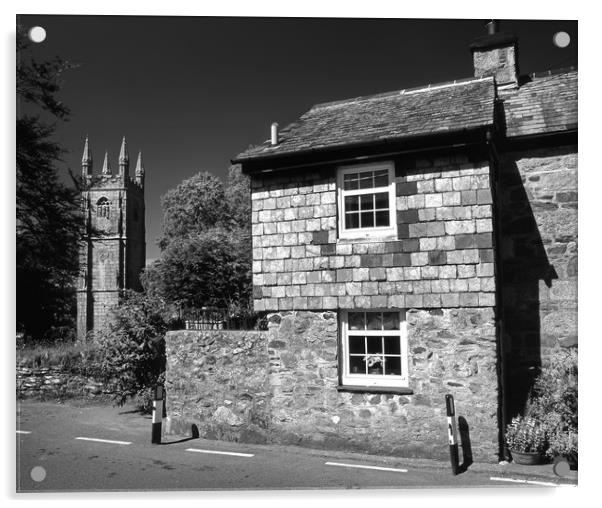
360 144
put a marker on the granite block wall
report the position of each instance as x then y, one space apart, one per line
538 227
282 386
443 256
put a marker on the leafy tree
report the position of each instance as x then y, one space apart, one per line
206 245
238 198
195 205
204 269
48 218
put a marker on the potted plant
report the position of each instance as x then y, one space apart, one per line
526 438
554 402
375 364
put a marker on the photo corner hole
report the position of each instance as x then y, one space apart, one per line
38 474
561 39
37 34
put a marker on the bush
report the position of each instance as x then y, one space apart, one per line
132 347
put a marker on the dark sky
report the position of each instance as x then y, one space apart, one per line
192 92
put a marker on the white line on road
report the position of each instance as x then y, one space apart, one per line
377 468
236 454
103 440
24 432
531 482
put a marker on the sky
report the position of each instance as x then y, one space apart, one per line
193 92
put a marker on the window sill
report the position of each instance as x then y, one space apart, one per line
375 389
368 238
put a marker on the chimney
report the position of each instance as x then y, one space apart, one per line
274 134
496 54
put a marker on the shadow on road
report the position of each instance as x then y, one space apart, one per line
195 435
178 441
466 447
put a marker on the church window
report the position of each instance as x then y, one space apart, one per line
103 208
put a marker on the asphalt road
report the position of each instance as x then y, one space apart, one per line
58 450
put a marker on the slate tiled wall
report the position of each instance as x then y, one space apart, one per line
443 256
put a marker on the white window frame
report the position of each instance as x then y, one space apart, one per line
378 380
374 232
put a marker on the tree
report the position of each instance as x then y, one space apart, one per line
203 269
195 205
238 198
206 245
48 218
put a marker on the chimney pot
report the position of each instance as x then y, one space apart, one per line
274 134
493 26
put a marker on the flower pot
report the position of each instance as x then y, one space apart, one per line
375 370
526 458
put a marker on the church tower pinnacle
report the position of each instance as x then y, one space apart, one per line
139 174
124 159
106 167
86 160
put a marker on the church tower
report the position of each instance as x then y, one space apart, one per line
114 251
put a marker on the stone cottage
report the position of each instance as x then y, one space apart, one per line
406 245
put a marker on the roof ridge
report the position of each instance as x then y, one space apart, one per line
405 91
554 72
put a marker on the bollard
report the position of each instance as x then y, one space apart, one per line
157 415
451 432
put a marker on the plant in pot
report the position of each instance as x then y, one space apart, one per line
554 402
375 363
527 440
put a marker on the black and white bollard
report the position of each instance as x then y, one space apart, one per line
451 432
157 415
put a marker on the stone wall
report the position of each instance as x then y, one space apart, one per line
443 256
218 380
283 386
538 224
54 382
451 351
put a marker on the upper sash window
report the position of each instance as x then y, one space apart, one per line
367 200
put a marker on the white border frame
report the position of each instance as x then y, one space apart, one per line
375 232
367 380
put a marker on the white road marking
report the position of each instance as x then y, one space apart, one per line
377 468
235 454
103 440
531 482
24 432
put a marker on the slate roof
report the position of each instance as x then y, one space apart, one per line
546 104
435 109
